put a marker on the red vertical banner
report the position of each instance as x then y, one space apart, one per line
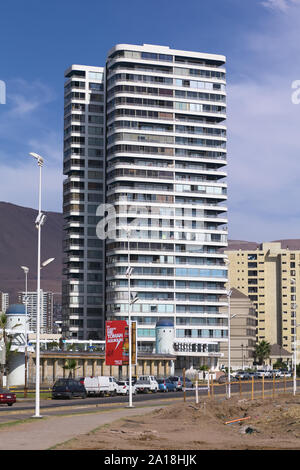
116 343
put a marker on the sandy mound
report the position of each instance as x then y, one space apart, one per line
269 424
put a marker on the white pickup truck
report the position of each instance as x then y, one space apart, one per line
146 384
100 385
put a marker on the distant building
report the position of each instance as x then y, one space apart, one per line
270 277
46 310
243 332
4 301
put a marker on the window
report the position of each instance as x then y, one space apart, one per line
96 86
96 75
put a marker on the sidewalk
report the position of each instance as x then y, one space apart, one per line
44 433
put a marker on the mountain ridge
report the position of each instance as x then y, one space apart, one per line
18 247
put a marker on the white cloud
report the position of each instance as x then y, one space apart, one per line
281 5
263 138
24 128
49 144
24 97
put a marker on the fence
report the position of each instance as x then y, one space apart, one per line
252 389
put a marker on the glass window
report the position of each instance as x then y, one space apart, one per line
96 75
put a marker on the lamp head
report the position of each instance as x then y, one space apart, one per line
48 261
39 159
25 269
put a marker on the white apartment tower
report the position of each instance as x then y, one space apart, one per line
46 310
4 301
165 159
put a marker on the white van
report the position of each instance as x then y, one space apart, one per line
101 385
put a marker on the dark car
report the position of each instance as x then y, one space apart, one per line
68 388
7 397
243 375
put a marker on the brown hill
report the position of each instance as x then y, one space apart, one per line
18 246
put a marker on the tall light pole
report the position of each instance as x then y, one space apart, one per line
128 273
242 356
131 300
229 342
228 293
26 270
38 223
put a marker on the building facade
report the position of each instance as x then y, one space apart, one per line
270 277
243 332
4 301
83 191
165 159
46 310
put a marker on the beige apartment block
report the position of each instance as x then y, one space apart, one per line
243 332
270 277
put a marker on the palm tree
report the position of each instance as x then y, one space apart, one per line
262 351
70 365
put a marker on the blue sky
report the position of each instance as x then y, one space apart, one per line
260 38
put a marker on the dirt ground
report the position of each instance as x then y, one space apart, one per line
273 424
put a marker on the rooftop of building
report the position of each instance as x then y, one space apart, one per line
292 244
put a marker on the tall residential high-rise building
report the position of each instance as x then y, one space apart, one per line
83 191
4 301
46 310
165 158
270 277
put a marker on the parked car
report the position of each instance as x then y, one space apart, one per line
7 397
162 386
170 385
243 375
178 382
165 385
254 375
224 379
123 387
68 388
286 373
264 373
276 373
146 384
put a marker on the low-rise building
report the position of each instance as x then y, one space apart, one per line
270 276
243 332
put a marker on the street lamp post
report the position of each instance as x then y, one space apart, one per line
130 302
242 356
26 270
229 342
228 293
38 223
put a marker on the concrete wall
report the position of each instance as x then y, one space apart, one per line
52 367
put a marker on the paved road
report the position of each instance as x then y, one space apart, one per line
44 433
63 420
